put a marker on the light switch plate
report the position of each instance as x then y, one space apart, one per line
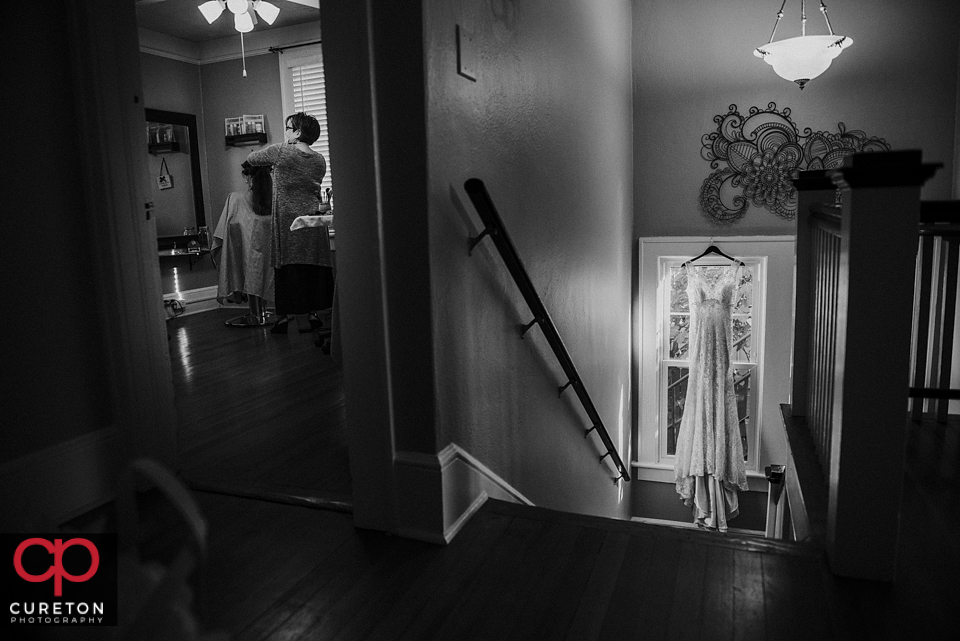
466 54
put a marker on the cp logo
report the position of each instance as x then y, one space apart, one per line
56 570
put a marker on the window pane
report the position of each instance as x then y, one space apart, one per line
678 290
679 336
744 292
677 378
742 338
742 379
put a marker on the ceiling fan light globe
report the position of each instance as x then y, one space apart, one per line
267 11
211 10
237 6
243 22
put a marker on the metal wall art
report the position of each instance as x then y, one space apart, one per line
755 157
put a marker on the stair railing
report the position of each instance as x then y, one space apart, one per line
935 309
494 228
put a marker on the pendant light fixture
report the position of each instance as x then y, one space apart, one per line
803 58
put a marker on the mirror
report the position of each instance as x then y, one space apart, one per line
174 161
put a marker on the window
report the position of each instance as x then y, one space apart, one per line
304 90
674 363
765 335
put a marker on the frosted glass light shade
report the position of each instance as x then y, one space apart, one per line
243 22
803 58
266 11
237 6
211 10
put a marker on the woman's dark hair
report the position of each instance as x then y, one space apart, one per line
261 186
307 125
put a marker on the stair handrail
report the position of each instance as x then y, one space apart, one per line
495 229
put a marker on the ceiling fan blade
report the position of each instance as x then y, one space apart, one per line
315 4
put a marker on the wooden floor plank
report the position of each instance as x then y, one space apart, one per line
516 601
451 590
653 610
622 612
548 585
498 575
350 566
570 587
748 597
686 607
354 614
588 618
257 409
440 579
716 622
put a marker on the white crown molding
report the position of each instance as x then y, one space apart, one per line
160 44
255 43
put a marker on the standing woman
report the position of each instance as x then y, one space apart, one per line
303 280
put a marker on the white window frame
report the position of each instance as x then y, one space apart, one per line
310 54
774 348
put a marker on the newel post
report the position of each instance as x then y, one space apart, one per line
813 187
878 249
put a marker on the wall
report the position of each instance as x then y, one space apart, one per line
227 94
173 85
547 127
693 59
54 362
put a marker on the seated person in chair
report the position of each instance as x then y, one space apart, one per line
242 247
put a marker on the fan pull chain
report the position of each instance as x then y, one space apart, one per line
243 56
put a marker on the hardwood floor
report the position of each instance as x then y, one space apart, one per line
280 571
259 414
514 572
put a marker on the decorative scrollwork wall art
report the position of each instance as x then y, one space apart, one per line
755 158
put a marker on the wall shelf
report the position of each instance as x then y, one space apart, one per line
163 147
246 139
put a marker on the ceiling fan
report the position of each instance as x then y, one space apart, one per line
245 12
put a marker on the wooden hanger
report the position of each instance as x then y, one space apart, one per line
713 249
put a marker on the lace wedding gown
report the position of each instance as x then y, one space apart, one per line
709 467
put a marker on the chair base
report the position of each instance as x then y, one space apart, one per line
249 320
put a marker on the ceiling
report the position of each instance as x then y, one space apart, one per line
182 19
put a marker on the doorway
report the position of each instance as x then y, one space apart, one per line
258 415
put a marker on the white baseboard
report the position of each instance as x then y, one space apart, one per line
438 493
195 301
41 490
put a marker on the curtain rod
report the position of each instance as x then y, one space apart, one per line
302 44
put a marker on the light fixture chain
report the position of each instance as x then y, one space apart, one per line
777 23
243 55
803 17
823 10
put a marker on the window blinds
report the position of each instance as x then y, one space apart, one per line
309 97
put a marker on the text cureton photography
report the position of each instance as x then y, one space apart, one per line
59 579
